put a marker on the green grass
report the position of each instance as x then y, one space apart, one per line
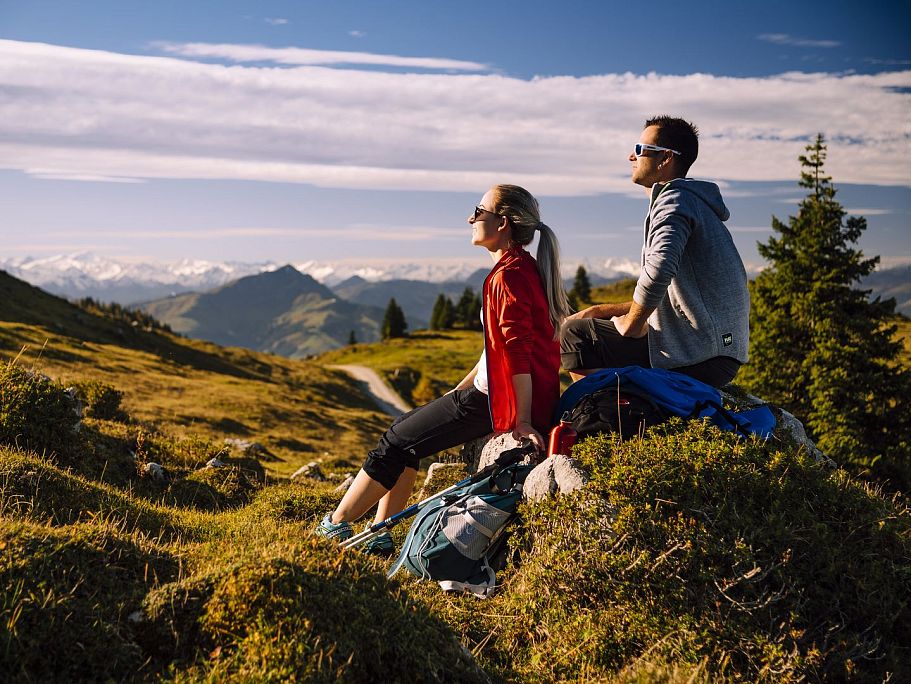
620 291
420 367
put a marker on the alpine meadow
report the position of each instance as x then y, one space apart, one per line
158 496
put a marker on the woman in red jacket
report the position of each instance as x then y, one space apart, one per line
513 387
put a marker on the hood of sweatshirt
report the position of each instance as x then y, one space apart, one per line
706 191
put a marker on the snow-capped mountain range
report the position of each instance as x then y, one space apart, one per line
85 274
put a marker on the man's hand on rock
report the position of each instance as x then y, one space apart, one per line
526 431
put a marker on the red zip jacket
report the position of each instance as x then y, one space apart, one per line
519 338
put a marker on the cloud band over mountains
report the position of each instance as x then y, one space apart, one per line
89 114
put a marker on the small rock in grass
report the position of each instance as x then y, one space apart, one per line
311 471
343 487
155 472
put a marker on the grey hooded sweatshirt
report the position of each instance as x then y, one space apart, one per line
693 275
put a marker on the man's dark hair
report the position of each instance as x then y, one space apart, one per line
677 134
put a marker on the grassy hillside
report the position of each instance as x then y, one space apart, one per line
620 291
298 410
691 556
420 367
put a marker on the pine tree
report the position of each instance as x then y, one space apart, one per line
582 287
448 315
352 338
394 324
468 310
819 347
439 315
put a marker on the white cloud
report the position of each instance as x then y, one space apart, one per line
85 177
868 211
276 22
357 34
305 57
359 232
887 62
70 112
893 261
786 39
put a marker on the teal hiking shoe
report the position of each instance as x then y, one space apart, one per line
380 545
338 532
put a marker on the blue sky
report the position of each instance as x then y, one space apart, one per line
291 131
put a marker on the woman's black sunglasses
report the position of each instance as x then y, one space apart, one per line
478 210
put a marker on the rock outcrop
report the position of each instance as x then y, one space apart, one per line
558 474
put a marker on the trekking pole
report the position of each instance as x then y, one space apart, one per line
507 458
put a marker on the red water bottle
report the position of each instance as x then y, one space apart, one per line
562 437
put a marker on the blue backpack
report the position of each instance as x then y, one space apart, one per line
619 397
458 540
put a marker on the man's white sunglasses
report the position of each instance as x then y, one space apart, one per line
640 147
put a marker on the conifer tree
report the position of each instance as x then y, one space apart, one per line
437 313
448 315
821 348
582 287
394 324
352 338
443 315
468 310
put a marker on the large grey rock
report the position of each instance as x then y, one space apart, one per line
797 431
470 453
558 474
493 447
786 423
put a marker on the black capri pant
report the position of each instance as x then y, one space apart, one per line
451 420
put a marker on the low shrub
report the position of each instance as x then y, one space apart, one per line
189 452
305 612
212 489
191 493
102 401
700 547
35 412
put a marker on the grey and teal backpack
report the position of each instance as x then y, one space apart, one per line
459 540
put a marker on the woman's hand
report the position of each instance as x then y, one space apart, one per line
526 431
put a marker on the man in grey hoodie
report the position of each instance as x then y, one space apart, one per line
690 310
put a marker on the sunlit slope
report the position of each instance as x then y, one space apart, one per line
296 409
